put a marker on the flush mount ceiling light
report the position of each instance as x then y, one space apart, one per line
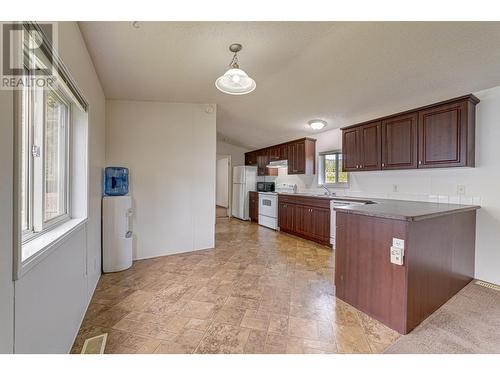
235 81
317 124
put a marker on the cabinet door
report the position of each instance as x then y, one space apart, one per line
350 149
262 161
304 220
300 158
292 158
250 158
399 142
321 224
274 153
297 158
286 217
443 136
370 147
254 207
283 152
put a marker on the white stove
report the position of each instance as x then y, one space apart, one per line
268 205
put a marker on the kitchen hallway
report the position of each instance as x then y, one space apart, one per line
258 291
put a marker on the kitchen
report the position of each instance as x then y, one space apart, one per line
279 188
433 136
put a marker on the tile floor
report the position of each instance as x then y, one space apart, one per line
258 291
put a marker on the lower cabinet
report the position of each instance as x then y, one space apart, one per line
305 217
286 213
254 206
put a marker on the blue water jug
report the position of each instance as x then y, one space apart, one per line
116 181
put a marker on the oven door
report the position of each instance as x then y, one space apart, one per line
268 205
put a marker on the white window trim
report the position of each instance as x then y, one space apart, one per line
78 174
321 171
36 167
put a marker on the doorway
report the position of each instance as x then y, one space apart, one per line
223 186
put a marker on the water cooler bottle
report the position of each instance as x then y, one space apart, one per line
116 217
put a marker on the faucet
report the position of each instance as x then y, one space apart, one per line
328 192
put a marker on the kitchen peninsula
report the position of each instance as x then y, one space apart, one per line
399 261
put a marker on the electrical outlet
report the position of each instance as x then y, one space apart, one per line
461 189
395 188
397 255
398 242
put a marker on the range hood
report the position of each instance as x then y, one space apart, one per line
278 164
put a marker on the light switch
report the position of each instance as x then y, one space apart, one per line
397 255
398 242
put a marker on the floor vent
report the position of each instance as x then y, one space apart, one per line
95 345
488 285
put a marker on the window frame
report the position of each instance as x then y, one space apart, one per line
321 170
35 199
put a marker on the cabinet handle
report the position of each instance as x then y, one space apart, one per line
383 164
420 162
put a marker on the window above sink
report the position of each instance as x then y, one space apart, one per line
330 170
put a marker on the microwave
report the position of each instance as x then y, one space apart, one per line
265 186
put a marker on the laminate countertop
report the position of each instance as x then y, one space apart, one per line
405 210
393 208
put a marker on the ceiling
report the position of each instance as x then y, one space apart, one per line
342 72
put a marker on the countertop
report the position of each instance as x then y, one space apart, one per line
406 210
393 208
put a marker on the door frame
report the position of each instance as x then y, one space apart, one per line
229 182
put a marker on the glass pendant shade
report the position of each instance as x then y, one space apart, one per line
235 82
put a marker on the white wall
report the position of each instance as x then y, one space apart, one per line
50 300
237 153
6 199
482 183
170 150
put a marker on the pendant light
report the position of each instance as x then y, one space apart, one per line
235 81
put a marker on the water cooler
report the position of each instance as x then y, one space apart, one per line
116 217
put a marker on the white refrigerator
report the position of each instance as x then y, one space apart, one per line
244 180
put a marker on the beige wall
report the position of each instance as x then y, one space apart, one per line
237 153
170 151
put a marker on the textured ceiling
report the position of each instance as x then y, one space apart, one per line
342 72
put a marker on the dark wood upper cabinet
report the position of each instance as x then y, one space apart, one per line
437 135
283 152
274 153
399 142
301 156
263 159
370 157
296 158
446 135
251 158
351 149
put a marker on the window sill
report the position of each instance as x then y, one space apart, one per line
39 248
335 186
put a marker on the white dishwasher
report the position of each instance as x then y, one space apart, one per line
333 220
